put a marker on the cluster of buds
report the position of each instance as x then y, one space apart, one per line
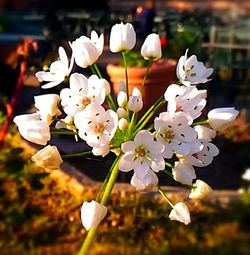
175 143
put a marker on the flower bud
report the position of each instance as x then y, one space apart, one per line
32 128
121 112
122 99
47 106
87 50
92 213
221 118
122 37
151 48
105 84
149 181
246 175
135 103
204 132
200 190
180 212
101 151
123 124
49 157
184 173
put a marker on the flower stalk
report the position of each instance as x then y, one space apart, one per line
108 189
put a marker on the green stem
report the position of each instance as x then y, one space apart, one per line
167 172
87 242
164 196
113 176
146 74
149 111
92 70
63 132
150 115
111 102
204 122
132 123
97 70
99 195
81 154
126 70
169 165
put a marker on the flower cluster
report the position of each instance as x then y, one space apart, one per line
174 142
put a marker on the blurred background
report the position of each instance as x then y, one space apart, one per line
218 32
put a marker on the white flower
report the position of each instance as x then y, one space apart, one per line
142 154
122 99
184 173
123 124
104 84
49 157
221 118
246 175
92 213
148 182
96 126
175 133
32 128
185 99
57 72
122 37
200 190
151 48
121 112
47 106
190 71
180 212
101 151
86 50
135 103
204 157
81 93
205 132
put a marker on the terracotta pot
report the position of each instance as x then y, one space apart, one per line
161 74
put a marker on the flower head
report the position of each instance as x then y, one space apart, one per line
204 157
189 100
92 213
246 175
49 157
32 128
82 92
135 103
142 155
149 181
184 173
180 212
190 71
122 37
221 118
151 48
200 190
174 132
96 126
57 72
47 106
86 50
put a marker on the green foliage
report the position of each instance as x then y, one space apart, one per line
184 37
134 58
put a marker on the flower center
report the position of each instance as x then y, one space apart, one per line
140 151
86 101
168 134
99 127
